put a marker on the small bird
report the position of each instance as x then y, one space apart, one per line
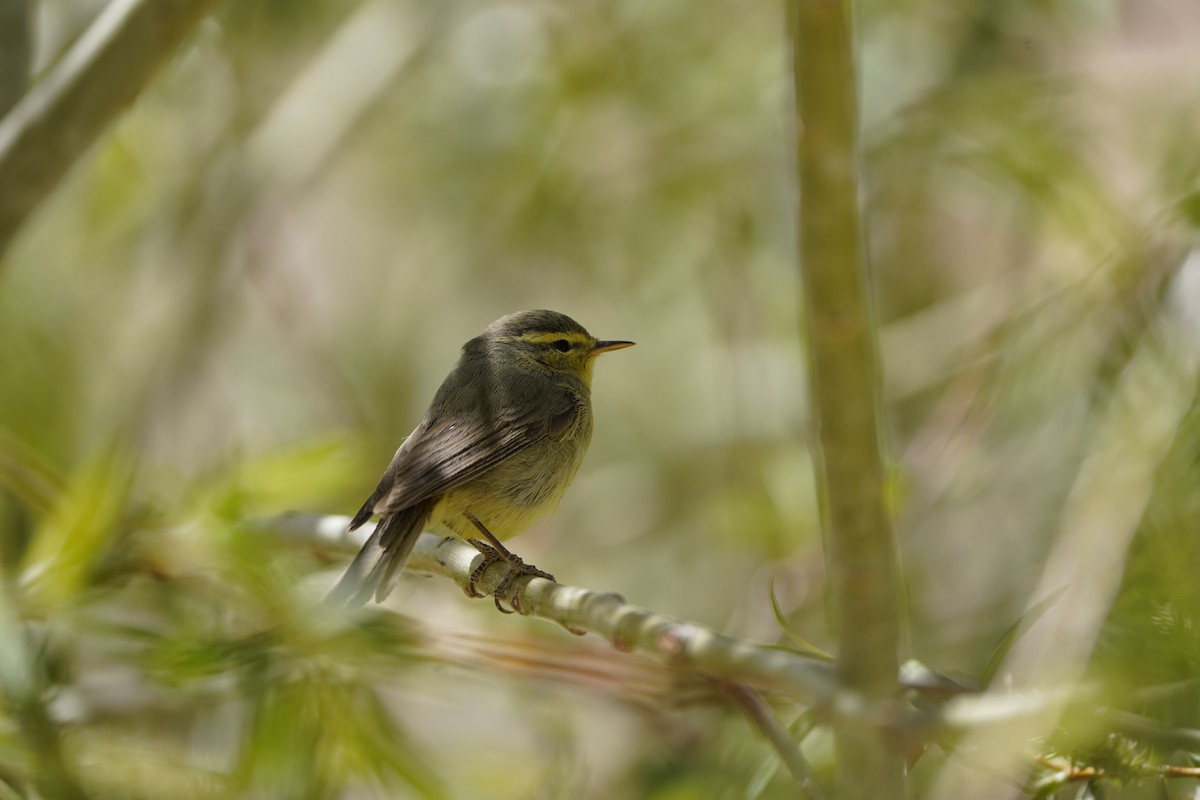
496 450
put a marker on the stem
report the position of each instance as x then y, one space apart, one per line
57 120
844 385
760 715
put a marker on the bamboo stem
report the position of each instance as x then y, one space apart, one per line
845 390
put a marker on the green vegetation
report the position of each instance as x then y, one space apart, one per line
240 299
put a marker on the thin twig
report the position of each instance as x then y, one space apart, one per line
1082 772
760 715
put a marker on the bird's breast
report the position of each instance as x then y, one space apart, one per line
515 493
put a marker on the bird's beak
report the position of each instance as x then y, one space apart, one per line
604 347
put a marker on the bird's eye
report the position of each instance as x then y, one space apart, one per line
561 345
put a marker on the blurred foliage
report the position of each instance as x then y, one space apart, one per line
242 299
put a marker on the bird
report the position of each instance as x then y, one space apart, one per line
496 450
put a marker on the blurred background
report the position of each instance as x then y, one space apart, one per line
243 298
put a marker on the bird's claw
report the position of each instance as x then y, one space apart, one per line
490 557
517 569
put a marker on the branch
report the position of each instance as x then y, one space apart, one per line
844 386
56 121
672 642
760 715
949 712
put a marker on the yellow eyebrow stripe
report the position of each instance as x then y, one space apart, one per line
547 338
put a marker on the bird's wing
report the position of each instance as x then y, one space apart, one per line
449 451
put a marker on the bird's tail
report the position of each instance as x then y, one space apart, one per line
373 570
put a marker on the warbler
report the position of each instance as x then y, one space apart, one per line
495 451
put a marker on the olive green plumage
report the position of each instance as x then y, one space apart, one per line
501 441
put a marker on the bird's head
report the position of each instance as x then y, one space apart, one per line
552 341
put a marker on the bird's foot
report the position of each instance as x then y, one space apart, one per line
517 569
490 556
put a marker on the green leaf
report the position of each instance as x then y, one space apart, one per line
84 521
803 646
